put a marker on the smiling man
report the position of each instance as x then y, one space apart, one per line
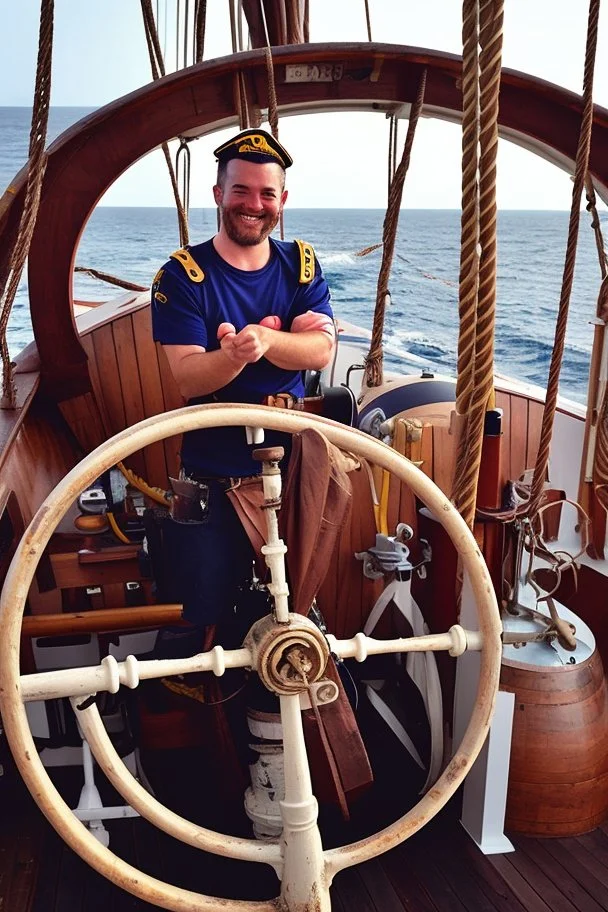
240 317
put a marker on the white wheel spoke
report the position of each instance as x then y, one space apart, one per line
110 674
456 641
303 863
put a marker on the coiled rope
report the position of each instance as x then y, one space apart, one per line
580 172
469 452
9 281
374 360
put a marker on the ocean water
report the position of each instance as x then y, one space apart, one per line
422 323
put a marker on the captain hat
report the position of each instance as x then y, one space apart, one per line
256 146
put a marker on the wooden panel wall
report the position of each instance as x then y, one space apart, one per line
131 380
41 454
521 433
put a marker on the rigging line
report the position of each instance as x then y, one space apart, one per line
239 24
37 160
580 172
158 68
186 30
368 21
373 362
177 16
490 39
273 108
594 469
468 286
201 22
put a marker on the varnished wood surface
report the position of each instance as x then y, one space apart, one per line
93 153
130 380
438 870
558 777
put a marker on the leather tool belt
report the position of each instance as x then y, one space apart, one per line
312 404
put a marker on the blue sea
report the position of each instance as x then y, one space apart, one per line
422 323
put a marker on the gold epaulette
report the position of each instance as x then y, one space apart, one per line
193 270
307 262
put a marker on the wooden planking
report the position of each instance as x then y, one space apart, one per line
173 400
590 874
31 477
109 377
130 383
89 347
524 891
518 439
70 574
152 393
444 458
560 886
384 895
83 417
535 417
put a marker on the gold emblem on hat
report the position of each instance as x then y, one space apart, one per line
256 143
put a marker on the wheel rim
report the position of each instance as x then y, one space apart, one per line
35 540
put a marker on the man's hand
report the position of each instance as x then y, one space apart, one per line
246 346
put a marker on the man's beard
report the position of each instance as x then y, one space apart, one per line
242 234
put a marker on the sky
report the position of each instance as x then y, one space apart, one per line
100 54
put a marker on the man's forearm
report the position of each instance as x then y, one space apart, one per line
299 351
202 373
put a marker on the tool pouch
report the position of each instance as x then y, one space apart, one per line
189 500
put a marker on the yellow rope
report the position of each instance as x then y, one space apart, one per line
153 493
120 535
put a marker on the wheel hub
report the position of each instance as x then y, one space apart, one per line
290 657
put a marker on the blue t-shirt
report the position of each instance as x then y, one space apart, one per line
189 313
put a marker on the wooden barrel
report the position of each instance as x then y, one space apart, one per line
558 779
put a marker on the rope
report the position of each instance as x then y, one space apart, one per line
273 107
596 226
368 21
158 69
594 462
580 172
373 362
200 20
9 282
112 280
469 222
469 456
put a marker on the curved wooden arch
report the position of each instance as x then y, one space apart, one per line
93 153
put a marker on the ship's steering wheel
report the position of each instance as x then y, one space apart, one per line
305 870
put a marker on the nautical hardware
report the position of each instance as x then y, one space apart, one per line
372 424
306 871
288 658
387 556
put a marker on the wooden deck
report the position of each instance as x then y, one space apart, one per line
438 870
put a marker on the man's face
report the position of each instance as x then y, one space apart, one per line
250 200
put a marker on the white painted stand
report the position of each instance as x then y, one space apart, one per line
485 788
